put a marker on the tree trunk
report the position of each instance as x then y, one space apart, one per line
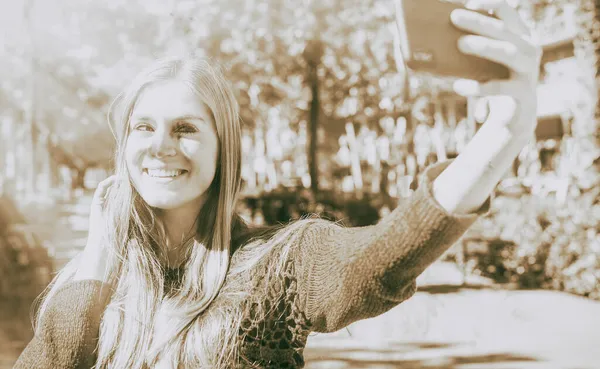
79 179
30 112
313 165
312 54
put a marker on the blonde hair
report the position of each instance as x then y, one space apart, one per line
142 326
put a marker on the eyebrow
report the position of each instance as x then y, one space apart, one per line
188 117
183 117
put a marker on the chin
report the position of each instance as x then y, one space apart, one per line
164 202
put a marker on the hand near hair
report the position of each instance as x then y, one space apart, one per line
93 259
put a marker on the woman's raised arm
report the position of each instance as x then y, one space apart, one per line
347 274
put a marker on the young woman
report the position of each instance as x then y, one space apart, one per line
172 278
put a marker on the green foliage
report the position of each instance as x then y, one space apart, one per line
25 266
85 51
537 242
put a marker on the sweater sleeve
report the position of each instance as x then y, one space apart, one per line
68 333
348 274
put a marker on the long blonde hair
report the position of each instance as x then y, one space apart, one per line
142 327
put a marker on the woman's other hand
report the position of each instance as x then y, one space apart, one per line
93 259
506 40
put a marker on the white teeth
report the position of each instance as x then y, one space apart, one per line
163 173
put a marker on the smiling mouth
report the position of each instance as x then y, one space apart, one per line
163 173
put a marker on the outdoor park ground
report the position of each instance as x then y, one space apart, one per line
445 326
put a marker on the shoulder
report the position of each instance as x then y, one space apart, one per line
276 244
243 233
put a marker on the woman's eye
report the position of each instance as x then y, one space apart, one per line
143 127
185 128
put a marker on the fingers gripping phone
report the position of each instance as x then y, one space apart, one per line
428 42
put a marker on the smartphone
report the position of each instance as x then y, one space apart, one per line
428 42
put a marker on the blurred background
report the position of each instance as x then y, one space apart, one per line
330 126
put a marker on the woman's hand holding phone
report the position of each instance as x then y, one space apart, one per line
506 40
499 62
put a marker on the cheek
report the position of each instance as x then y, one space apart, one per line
203 155
133 153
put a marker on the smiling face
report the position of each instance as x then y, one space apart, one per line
172 146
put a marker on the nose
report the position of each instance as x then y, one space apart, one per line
162 144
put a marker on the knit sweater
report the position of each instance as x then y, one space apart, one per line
333 277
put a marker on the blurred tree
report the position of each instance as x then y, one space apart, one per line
325 62
88 50
76 42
